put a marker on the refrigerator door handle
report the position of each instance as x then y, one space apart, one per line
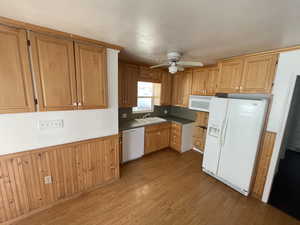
221 133
224 132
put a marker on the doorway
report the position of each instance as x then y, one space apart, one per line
285 193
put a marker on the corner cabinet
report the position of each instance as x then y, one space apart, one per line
16 89
60 84
91 76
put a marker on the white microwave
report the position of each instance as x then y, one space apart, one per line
199 103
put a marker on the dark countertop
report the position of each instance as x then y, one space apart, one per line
130 124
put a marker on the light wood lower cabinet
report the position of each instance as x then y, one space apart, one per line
16 90
74 168
157 137
175 137
200 130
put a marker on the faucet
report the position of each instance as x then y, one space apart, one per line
146 115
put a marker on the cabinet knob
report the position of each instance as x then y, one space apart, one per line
79 104
75 103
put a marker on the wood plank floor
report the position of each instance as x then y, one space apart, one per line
162 188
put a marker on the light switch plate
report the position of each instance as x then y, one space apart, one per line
50 124
48 180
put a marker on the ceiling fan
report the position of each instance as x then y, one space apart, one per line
174 64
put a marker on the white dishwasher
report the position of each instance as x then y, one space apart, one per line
133 144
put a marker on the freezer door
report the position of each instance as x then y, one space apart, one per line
240 141
216 120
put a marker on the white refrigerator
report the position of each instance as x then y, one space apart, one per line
233 138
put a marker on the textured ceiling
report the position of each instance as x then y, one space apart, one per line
204 30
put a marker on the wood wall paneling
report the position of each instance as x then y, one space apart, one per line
74 168
16 88
263 163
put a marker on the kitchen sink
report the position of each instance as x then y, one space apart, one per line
151 120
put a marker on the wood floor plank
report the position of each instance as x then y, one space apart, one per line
164 188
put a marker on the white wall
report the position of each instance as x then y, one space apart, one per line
288 67
19 132
287 70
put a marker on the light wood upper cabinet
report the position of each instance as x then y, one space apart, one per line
91 75
149 75
186 87
16 91
181 88
54 70
258 73
176 91
200 77
212 80
128 78
162 91
230 76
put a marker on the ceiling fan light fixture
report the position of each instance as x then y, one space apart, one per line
173 68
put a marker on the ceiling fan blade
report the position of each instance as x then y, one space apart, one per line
187 63
180 68
159 65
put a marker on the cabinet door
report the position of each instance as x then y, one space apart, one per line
164 138
121 85
131 77
186 87
258 74
212 81
91 77
16 92
230 75
176 90
166 88
200 77
128 76
151 141
54 70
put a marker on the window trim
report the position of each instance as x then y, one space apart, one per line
152 102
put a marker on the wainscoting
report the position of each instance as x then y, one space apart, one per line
74 168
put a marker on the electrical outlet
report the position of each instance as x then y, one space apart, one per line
50 124
124 115
165 111
48 180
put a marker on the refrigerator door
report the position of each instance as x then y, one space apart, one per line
216 120
240 141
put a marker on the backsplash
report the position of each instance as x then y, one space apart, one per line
158 111
184 113
180 112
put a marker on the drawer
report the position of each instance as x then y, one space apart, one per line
156 127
